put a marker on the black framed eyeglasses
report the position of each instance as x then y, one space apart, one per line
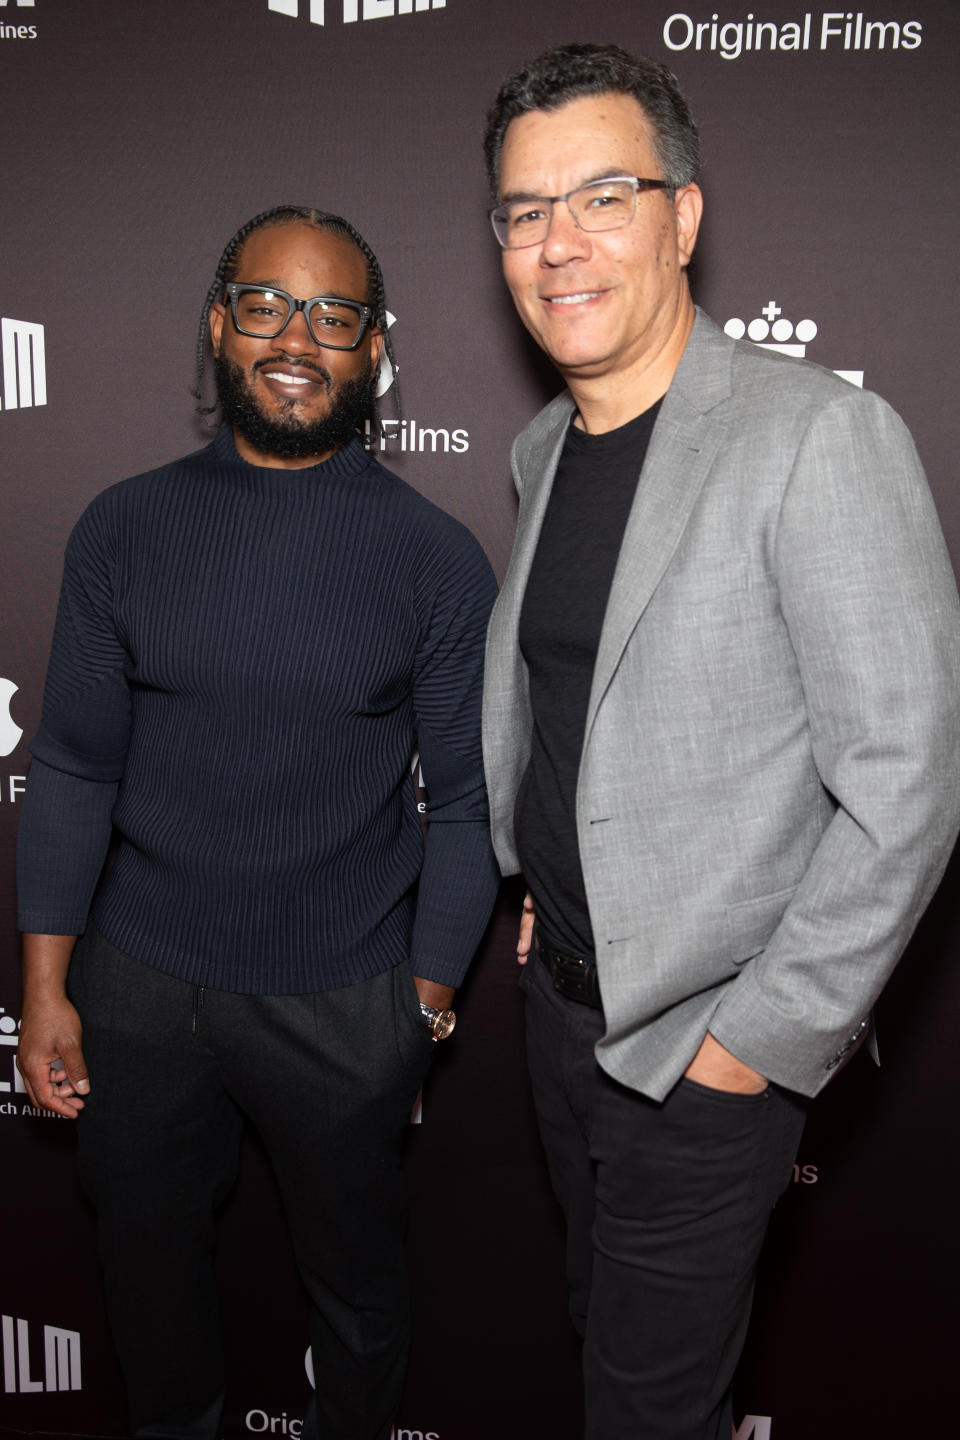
600 205
265 312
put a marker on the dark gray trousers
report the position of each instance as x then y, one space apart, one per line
328 1081
666 1208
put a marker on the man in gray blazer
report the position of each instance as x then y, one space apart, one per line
722 734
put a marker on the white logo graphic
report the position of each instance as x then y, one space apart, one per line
24 366
387 372
10 731
17 31
410 434
837 29
356 9
754 1427
61 1358
772 332
9 1037
261 1423
421 438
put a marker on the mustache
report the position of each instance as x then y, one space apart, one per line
298 360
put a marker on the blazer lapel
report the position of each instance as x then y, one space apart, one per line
682 450
539 469
507 718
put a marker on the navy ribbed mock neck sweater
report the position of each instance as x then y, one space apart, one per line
244 661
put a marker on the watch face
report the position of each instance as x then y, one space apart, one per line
443 1024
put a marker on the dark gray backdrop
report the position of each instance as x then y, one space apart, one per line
139 134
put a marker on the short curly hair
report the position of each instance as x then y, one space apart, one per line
569 72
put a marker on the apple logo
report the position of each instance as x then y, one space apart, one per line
10 731
385 379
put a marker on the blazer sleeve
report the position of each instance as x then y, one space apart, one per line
869 598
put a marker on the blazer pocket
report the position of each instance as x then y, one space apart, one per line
750 923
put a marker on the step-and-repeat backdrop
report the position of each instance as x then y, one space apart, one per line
139 135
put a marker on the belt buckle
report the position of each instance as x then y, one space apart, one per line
574 977
570 976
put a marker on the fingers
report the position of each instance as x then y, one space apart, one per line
56 1084
63 1096
60 1081
49 1088
525 938
49 1056
75 1069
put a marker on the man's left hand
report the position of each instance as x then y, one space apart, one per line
438 997
715 1067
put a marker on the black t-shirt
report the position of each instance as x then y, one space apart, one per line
560 623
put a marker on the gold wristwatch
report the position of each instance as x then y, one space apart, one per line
439 1022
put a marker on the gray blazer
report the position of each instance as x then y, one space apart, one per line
770 779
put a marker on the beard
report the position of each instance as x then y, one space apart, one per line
284 434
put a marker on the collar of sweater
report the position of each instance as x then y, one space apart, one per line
347 463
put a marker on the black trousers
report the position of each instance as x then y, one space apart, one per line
666 1207
328 1081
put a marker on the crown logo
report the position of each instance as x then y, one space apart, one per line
773 332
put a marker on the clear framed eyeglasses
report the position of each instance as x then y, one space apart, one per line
600 205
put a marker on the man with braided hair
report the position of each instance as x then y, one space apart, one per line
251 642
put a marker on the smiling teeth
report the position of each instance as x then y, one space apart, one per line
288 379
574 299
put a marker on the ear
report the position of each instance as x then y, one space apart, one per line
217 316
688 207
376 348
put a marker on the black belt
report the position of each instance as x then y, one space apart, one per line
572 978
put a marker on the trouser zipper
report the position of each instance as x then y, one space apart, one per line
197 1007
